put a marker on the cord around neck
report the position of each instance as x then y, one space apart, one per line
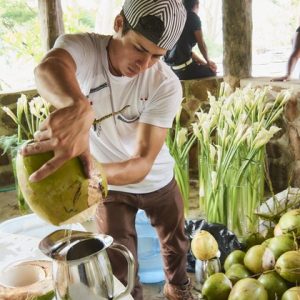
112 69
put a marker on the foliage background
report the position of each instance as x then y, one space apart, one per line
274 25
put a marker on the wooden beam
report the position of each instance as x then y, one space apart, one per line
51 20
237 40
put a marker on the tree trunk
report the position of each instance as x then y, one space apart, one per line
237 39
51 20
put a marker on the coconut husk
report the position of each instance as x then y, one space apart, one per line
33 291
64 197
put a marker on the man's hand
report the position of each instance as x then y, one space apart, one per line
66 133
212 66
199 61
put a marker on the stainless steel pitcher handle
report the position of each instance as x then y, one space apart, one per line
130 269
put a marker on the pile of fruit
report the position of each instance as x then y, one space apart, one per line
268 271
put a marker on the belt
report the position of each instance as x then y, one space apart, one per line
185 64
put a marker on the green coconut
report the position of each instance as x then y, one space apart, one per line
288 266
66 196
266 242
281 244
277 230
274 284
292 294
237 272
259 258
235 257
290 222
248 289
253 239
217 286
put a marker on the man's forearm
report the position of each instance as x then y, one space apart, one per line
203 50
56 81
130 171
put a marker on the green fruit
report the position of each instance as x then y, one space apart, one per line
60 196
290 222
281 244
217 286
292 294
253 239
266 242
258 259
248 289
48 296
274 284
237 272
204 246
288 266
235 257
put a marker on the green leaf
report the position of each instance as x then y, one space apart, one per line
8 142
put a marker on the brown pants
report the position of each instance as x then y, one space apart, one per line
116 217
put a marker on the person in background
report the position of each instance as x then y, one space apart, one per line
293 59
185 62
89 77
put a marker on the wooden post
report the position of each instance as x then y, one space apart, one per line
237 40
51 20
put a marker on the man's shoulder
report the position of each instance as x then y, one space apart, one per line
164 70
84 35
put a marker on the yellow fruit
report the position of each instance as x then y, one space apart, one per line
217 286
204 246
290 222
259 258
235 257
248 289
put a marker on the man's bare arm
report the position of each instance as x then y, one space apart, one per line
203 49
149 142
65 131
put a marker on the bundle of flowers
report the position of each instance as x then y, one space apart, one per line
232 136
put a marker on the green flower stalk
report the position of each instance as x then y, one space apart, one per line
179 141
28 117
232 137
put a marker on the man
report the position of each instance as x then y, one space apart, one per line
185 62
293 59
88 77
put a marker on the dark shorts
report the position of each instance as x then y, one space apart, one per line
194 71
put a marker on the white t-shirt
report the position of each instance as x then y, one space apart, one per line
153 96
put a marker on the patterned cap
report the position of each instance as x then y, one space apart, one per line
160 21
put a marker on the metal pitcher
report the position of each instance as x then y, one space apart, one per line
81 268
204 269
